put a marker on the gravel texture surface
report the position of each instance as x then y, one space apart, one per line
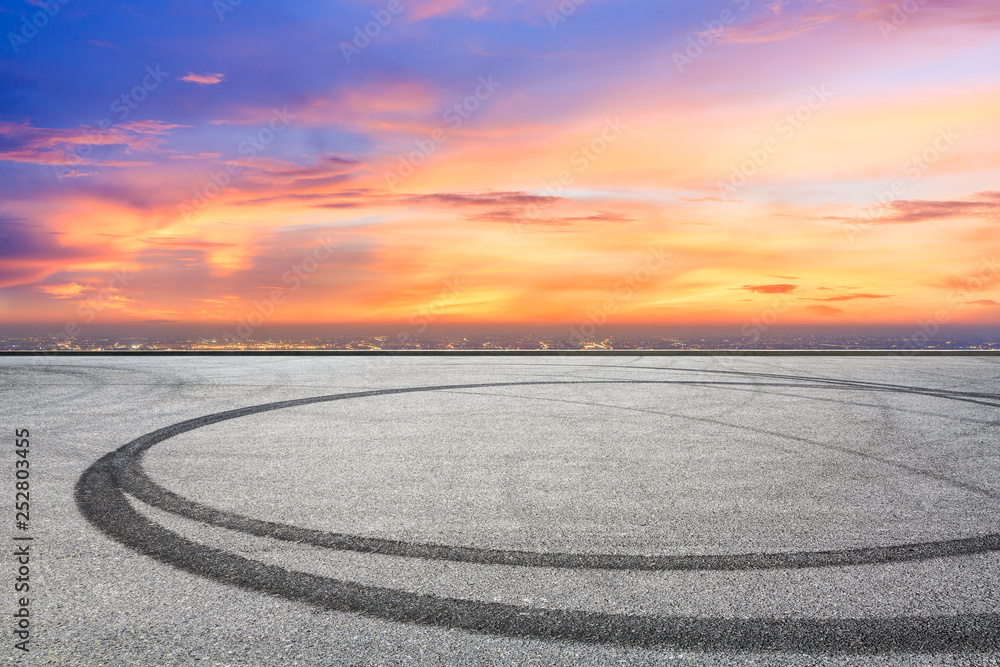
516 510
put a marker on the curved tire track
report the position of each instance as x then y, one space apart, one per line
100 496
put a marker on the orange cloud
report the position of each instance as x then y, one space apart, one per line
824 311
770 289
851 297
67 291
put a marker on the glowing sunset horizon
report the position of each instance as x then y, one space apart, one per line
812 163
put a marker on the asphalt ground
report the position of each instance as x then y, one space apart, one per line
515 510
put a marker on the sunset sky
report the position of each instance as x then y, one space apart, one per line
818 162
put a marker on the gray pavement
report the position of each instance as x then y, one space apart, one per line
516 510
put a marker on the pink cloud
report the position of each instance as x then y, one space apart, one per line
785 20
982 204
204 79
51 146
891 15
776 27
429 8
